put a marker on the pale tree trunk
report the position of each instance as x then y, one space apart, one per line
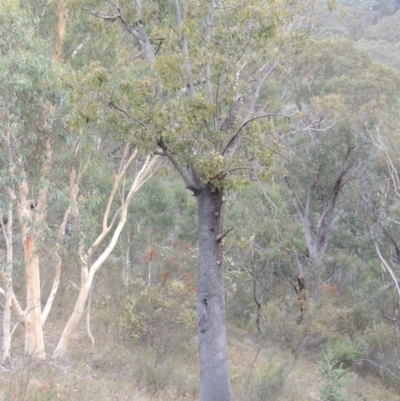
8 293
31 217
128 265
34 343
88 272
6 277
61 25
214 363
317 235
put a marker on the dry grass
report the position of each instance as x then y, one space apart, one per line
121 370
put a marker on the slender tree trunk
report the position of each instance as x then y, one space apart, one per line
73 321
214 364
34 343
88 270
6 346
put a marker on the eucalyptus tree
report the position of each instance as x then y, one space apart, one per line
30 131
43 167
338 95
193 80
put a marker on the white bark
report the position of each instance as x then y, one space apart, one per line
57 275
151 164
8 292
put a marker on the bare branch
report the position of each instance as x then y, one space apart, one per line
138 34
237 133
375 293
189 183
378 366
112 104
150 166
107 227
330 201
110 18
80 46
387 267
258 90
221 236
298 206
390 319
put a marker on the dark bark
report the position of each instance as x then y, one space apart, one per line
301 287
214 364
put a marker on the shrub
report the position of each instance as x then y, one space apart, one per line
162 316
335 377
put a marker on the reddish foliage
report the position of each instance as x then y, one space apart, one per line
164 275
151 255
329 289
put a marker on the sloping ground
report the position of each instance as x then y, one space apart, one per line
121 371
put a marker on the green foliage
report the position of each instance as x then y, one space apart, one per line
344 350
268 382
162 316
149 99
335 377
30 90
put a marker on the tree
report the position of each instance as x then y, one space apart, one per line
197 87
29 133
337 105
89 268
34 138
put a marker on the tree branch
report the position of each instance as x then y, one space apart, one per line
138 34
258 90
221 236
107 227
296 201
189 183
310 193
237 133
383 288
330 201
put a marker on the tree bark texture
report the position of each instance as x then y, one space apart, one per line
214 364
34 343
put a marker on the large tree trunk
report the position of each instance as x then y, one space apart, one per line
214 364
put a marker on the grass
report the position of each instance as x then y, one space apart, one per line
122 370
